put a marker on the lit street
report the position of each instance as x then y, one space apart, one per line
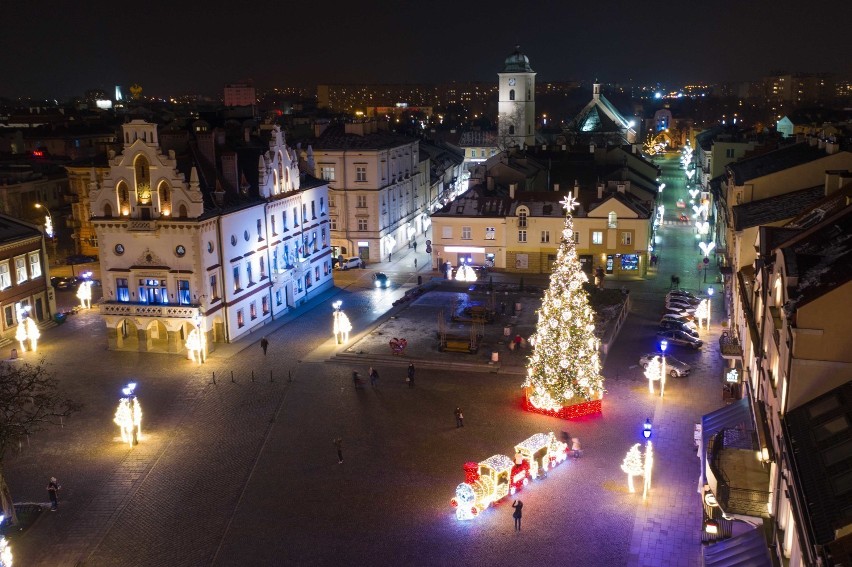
244 472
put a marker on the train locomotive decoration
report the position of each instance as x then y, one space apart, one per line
491 480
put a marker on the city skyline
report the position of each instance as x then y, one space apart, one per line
184 49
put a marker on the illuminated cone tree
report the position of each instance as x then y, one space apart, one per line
564 369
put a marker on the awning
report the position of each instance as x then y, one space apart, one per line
745 550
729 416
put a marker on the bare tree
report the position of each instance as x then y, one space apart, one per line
30 399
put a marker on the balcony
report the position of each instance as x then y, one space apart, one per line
730 347
142 225
735 475
123 309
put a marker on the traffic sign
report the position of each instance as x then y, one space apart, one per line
706 260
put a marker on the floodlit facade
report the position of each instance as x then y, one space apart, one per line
175 258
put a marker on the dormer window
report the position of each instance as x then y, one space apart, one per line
523 212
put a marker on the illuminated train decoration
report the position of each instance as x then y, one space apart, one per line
491 480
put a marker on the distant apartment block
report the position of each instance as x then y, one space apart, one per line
240 94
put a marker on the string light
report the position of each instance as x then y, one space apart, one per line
84 294
128 416
632 465
564 368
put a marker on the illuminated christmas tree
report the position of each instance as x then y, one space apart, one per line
563 373
633 465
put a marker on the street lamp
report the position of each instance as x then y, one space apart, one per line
48 227
663 346
709 303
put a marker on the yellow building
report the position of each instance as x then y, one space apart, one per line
519 233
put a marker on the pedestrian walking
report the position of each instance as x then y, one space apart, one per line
459 418
415 247
575 447
389 256
410 377
415 263
52 492
338 444
374 376
264 344
518 505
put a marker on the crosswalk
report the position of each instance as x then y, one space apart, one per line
676 223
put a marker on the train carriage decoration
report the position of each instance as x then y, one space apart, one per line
491 480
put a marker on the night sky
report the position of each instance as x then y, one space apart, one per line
58 48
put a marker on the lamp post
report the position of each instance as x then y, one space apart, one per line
49 227
709 304
663 346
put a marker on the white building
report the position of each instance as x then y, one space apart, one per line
516 102
176 256
378 199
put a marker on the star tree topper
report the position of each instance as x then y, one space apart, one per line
569 204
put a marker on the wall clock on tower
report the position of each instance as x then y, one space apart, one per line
511 82
180 251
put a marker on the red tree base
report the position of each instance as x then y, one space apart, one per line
568 412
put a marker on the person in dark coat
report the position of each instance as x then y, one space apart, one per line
410 377
52 491
264 344
374 376
459 418
517 514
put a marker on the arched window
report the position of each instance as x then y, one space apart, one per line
107 210
143 176
182 213
165 198
512 94
123 197
612 221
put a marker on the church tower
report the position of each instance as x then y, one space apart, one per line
516 102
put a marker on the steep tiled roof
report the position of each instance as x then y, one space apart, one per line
335 138
819 440
771 162
774 209
821 259
13 229
476 202
822 209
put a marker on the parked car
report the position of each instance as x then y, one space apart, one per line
680 338
381 280
691 299
681 304
680 313
674 367
679 319
64 283
688 328
354 262
682 293
80 259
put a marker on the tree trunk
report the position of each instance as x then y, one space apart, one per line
6 501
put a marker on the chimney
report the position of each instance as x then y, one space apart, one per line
544 147
512 188
620 187
576 186
320 126
219 195
229 172
556 187
596 91
600 191
564 147
206 146
576 192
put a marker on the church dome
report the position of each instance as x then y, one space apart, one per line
517 62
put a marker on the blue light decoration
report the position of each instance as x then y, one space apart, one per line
646 429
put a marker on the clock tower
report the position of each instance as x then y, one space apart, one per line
516 102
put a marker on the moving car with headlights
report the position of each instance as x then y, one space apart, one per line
674 367
680 338
381 280
688 328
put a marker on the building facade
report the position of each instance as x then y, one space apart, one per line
25 289
378 200
177 260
